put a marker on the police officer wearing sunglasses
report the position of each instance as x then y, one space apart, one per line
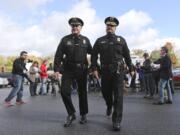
114 53
71 62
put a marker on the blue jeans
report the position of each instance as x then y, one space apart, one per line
43 86
162 85
17 89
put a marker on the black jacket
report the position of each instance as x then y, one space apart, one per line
165 67
19 66
72 49
147 68
112 49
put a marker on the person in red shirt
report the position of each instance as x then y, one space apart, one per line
43 76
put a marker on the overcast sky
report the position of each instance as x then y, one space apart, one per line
38 25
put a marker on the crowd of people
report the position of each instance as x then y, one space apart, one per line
43 75
154 78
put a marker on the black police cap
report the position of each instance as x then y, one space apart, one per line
111 21
76 21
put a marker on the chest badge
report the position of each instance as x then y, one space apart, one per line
118 39
69 43
103 42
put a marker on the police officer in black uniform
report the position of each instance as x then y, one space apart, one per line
113 51
71 61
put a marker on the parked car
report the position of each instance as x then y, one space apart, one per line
3 82
6 79
176 77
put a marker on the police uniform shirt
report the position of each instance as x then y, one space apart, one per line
112 48
74 48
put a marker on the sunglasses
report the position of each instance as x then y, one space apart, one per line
109 25
74 25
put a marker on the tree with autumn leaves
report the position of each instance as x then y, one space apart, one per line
155 54
171 53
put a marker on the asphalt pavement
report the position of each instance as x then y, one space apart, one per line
45 115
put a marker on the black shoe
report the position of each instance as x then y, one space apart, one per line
108 111
158 103
168 102
53 93
83 119
32 95
69 120
116 126
150 97
146 96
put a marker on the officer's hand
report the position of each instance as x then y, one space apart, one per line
25 71
95 73
57 75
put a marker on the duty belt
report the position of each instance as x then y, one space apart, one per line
76 65
79 65
118 64
114 67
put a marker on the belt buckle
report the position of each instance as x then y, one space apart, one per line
78 65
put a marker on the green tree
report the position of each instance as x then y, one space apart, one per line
138 52
171 52
1 60
49 58
9 63
35 58
155 54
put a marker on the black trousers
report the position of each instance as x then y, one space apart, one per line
51 82
149 84
112 90
33 88
81 79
